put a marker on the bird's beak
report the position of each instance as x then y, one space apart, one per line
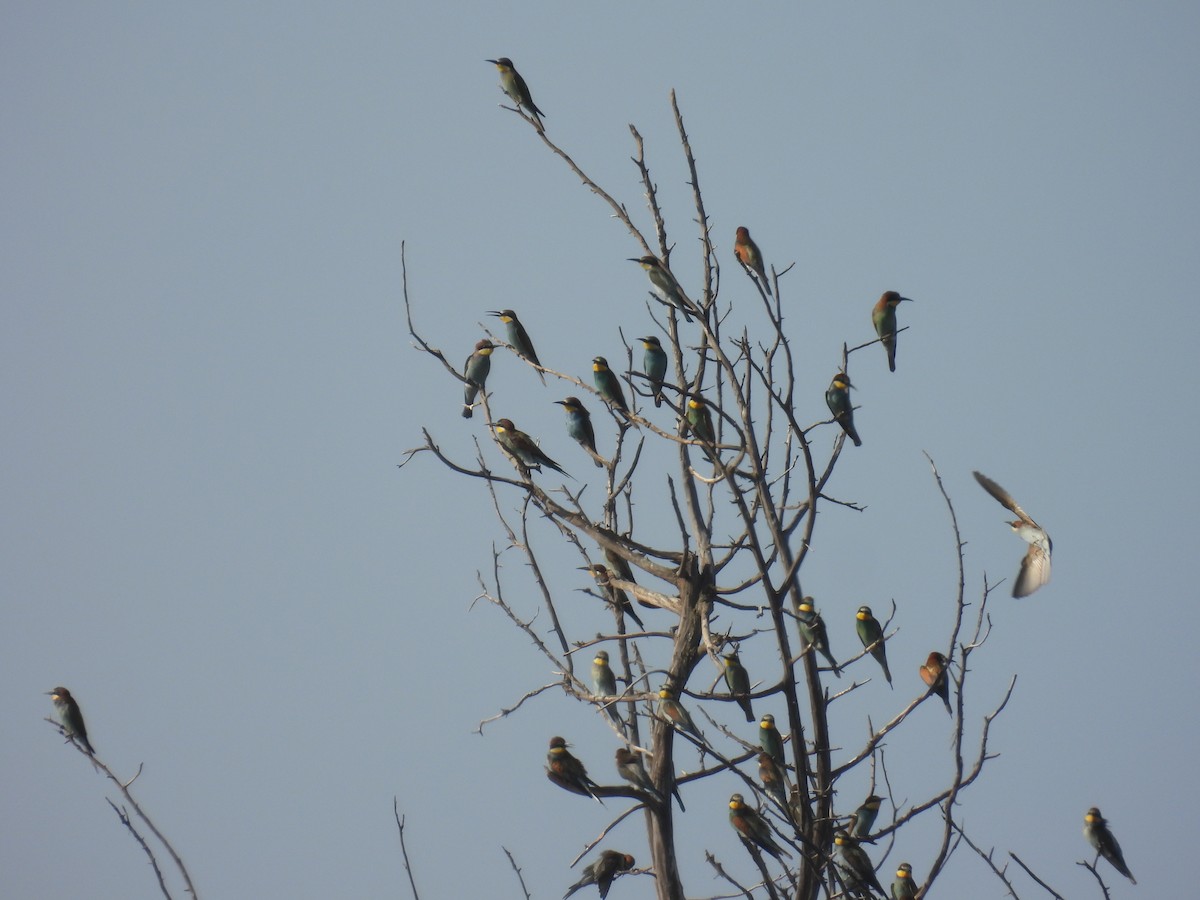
492 61
631 259
492 312
909 299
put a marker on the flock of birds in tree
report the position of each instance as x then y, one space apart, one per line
567 771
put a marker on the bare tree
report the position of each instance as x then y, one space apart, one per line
745 487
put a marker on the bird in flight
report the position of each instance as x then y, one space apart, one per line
1035 567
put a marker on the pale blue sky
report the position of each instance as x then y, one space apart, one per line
208 385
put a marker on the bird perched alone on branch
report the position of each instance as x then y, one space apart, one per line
514 85
665 287
1035 567
737 679
870 632
884 318
750 257
933 673
71 717
838 399
1095 829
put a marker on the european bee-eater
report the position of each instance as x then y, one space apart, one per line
771 776
602 871
608 385
904 888
617 598
476 370
870 632
621 569
579 426
770 739
1095 829
604 684
519 338
518 92
71 717
699 419
568 772
812 629
838 398
523 448
752 827
738 682
673 711
864 817
1035 567
654 363
630 768
884 317
856 865
748 255
933 673
666 288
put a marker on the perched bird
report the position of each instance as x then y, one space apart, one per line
699 420
933 673
864 817
856 865
772 778
519 338
738 682
752 827
770 739
904 888
617 598
568 772
604 684
630 768
870 632
666 288
1095 829
602 871
608 385
523 448
838 398
621 568
1035 567
812 629
750 257
71 717
884 317
654 363
514 85
476 370
672 710
579 426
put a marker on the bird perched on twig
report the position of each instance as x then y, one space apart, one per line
601 872
870 632
737 679
1095 829
524 449
579 426
904 888
616 597
752 827
475 371
568 772
838 399
884 318
812 629
71 717
519 338
1035 567
750 257
654 364
514 85
933 673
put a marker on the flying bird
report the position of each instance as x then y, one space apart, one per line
1035 567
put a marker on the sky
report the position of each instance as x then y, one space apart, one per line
209 385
